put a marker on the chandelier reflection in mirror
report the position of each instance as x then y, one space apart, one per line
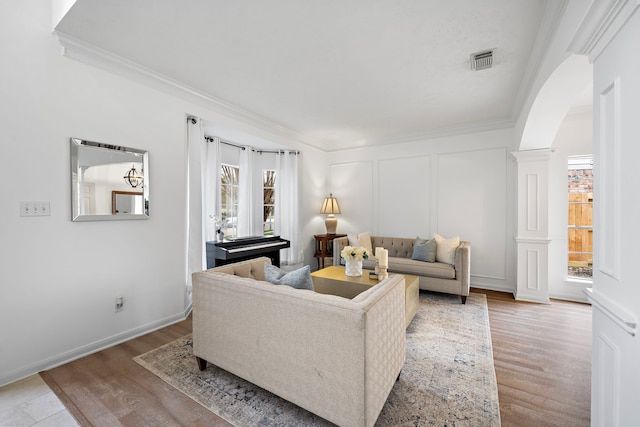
133 178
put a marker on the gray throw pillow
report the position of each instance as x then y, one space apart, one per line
424 250
299 279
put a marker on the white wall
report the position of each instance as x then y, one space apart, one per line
452 186
58 279
575 137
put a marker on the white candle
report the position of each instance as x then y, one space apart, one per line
383 258
378 249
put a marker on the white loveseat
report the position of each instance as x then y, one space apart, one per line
336 357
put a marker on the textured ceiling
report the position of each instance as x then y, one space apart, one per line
338 73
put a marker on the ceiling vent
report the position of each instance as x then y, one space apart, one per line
482 60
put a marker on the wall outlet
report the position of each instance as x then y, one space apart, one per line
35 209
119 304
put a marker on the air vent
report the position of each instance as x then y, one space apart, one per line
482 60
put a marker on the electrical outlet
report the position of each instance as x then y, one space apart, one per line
35 209
119 304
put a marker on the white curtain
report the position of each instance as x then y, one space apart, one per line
287 211
249 194
211 186
196 252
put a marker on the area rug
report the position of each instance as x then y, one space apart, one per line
448 378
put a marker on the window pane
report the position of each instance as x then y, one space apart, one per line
580 221
229 199
268 201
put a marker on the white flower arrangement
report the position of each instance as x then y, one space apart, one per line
219 223
356 253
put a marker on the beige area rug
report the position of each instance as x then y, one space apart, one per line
448 378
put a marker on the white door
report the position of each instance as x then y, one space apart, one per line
87 198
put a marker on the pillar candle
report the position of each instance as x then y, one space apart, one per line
377 253
384 258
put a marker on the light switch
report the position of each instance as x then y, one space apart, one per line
35 209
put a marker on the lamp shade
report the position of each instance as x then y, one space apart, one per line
330 205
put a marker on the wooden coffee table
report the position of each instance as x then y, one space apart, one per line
333 280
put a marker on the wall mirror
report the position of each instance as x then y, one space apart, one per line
108 182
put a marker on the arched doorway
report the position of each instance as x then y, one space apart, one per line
538 236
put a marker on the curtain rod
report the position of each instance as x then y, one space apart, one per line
294 152
210 139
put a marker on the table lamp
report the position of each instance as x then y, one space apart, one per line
330 207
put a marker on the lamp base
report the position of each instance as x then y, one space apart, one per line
331 223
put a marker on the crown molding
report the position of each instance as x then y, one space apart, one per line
602 22
87 53
443 132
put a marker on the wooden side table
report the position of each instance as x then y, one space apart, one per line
324 247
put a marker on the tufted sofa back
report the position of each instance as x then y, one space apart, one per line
250 269
398 247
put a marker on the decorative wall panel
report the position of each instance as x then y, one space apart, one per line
351 184
404 197
606 379
533 205
533 266
472 203
609 173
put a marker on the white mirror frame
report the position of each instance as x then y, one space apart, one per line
86 154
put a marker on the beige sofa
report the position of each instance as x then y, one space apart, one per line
336 357
434 276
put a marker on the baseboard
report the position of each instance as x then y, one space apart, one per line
532 298
492 287
79 352
570 297
187 311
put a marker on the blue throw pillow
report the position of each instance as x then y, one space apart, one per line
299 279
424 250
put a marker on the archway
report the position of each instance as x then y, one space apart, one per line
554 99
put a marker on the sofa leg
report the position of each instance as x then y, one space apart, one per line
202 364
464 299
398 379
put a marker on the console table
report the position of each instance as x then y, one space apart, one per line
324 247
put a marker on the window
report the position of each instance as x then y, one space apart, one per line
269 200
229 199
580 250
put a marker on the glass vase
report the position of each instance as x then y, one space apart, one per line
353 268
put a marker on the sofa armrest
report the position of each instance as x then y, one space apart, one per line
463 265
338 245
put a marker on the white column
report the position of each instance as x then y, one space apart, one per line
532 239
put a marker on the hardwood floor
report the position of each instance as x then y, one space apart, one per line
109 389
542 358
